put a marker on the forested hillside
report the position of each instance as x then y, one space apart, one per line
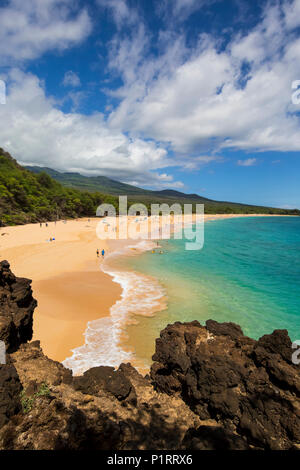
27 197
148 197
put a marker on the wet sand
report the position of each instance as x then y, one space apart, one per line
66 304
67 282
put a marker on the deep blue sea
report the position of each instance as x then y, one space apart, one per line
248 272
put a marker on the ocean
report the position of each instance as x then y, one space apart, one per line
248 272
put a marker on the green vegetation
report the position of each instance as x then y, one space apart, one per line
27 402
90 183
37 196
147 197
44 391
26 197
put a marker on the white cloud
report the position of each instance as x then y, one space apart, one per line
36 132
194 101
199 161
247 162
121 12
200 100
292 14
30 28
71 79
180 10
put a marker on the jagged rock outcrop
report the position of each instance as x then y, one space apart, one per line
251 388
95 411
16 308
108 379
210 387
10 388
213 438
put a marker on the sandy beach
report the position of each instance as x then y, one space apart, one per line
67 280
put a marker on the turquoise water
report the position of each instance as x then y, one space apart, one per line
248 272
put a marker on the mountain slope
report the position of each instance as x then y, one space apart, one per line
148 197
110 186
27 197
91 183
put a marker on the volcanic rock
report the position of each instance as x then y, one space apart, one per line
251 388
16 308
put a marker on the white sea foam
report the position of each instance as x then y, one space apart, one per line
141 295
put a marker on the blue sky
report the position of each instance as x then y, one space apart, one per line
193 95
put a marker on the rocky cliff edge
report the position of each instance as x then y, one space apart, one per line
210 387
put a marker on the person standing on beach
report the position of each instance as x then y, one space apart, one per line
97 252
103 253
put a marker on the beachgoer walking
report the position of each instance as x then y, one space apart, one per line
97 253
103 253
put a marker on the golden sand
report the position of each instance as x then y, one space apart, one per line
67 281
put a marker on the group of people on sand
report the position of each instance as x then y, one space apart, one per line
46 224
102 253
51 239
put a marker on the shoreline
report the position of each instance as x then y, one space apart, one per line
72 308
66 279
127 351
106 338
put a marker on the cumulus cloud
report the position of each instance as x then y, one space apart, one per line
204 98
30 28
71 79
247 162
292 14
37 132
190 102
121 12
